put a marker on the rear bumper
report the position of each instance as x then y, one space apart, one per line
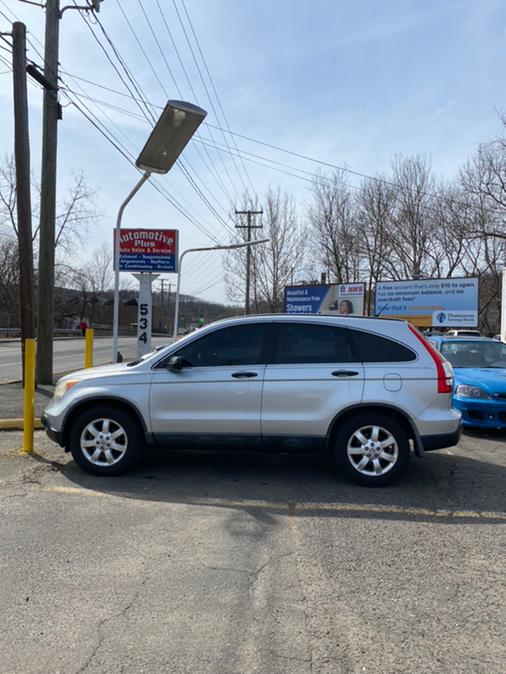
56 436
441 440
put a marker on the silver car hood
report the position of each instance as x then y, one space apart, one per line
99 371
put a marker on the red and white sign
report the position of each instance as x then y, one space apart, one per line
148 250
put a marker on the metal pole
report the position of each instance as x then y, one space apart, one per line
29 395
202 250
115 324
503 307
249 214
178 288
248 266
23 196
162 281
88 347
50 113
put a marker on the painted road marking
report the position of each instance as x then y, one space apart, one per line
291 508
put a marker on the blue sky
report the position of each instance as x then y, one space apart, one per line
347 83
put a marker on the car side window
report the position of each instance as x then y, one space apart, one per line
311 343
235 345
373 348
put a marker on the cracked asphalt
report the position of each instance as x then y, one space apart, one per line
230 563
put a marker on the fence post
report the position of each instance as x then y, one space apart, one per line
88 352
29 395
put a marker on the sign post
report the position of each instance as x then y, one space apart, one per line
145 312
503 307
145 251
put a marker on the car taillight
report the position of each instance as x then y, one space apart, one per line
443 367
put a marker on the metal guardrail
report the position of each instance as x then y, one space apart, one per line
125 332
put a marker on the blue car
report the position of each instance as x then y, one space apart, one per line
479 366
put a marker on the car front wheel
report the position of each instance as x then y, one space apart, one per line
372 449
105 441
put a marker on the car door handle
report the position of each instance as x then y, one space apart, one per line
244 375
344 373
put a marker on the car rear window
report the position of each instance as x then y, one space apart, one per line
311 343
373 348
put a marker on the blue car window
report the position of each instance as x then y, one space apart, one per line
474 354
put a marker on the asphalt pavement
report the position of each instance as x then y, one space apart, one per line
68 354
234 563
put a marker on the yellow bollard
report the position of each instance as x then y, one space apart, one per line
88 352
29 395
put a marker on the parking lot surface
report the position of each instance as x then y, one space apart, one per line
235 563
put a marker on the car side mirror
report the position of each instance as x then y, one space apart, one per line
175 363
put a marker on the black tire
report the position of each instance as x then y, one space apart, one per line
131 439
399 451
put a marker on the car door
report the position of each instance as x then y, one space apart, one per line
313 375
215 397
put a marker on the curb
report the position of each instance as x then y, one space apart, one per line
18 424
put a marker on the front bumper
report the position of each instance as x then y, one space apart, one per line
481 413
56 436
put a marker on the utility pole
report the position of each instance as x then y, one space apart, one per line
50 115
249 214
23 196
162 311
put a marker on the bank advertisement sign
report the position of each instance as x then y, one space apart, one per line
149 250
449 302
334 298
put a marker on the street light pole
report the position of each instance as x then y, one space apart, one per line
173 130
201 250
117 233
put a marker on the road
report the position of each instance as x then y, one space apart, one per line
239 563
68 354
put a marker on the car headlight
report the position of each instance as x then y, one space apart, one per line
475 392
62 387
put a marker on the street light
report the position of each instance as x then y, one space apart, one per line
200 250
176 125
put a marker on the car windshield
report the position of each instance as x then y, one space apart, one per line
475 353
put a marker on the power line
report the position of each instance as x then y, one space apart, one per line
144 108
208 94
299 155
214 89
125 153
137 86
215 175
162 87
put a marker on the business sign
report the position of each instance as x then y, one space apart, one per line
148 250
334 298
449 302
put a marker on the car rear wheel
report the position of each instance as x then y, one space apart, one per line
105 441
372 449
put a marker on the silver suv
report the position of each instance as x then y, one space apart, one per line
364 389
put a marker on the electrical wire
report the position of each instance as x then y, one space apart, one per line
215 90
137 86
213 171
208 96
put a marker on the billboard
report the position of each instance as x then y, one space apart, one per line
449 302
149 250
333 298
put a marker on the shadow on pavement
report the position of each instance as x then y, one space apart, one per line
440 488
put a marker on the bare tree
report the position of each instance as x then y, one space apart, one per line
411 237
334 227
374 203
75 213
273 263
